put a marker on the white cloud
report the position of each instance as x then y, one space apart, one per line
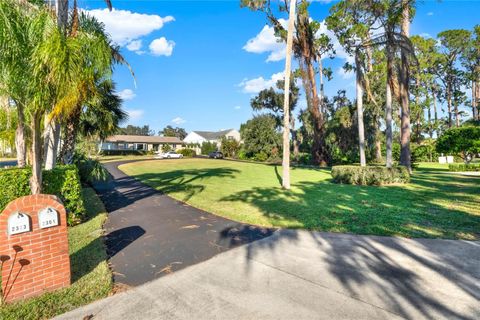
135 114
425 35
345 74
135 46
162 47
127 94
266 41
430 13
178 120
258 84
126 26
237 107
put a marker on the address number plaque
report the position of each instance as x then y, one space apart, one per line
19 223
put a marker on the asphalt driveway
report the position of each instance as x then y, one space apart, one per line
150 234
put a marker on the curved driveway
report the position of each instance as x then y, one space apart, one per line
150 234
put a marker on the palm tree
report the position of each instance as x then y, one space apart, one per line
90 81
52 131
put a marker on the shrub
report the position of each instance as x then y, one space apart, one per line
90 170
302 158
62 181
229 147
261 156
242 155
461 167
371 175
187 152
208 147
122 152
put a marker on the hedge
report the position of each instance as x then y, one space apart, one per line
461 167
370 175
187 152
123 152
62 181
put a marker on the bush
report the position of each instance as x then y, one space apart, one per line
371 175
208 147
187 152
123 152
461 167
90 170
63 181
302 158
229 147
261 156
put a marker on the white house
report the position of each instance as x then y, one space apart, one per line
199 137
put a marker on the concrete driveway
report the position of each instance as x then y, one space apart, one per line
312 275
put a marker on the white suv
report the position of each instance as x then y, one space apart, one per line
169 155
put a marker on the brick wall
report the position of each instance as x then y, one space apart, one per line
40 257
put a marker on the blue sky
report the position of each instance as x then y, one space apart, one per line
198 63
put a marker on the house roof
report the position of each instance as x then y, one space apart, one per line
143 139
211 135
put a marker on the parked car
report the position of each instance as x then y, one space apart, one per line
169 155
216 155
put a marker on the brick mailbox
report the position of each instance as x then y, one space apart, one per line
34 254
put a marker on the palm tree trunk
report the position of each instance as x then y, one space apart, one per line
52 131
361 129
405 154
388 120
61 9
52 140
36 179
286 100
20 137
296 147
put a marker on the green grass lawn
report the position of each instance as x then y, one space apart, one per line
435 204
91 276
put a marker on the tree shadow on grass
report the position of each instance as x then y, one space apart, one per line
123 191
376 269
390 210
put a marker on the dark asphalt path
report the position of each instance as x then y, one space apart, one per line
150 234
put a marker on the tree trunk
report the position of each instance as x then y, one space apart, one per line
20 138
474 103
429 115
52 140
322 89
388 120
457 117
286 100
449 105
61 9
36 178
388 104
361 129
70 138
319 148
296 147
52 132
405 154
